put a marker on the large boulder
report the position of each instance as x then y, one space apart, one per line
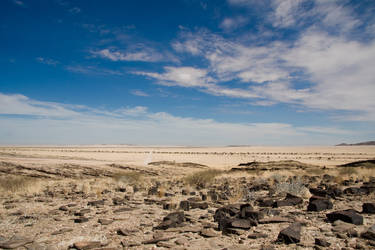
349 216
317 204
291 234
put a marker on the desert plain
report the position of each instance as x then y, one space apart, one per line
239 197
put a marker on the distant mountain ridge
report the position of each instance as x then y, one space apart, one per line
366 143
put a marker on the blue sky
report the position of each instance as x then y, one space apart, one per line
187 72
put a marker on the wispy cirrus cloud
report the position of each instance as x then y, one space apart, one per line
28 121
138 92
143 54
19 3
92 70
47 61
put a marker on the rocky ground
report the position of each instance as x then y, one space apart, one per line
309 207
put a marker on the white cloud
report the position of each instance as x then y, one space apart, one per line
55 123
47 61
92 70
143 55
229 24
19 3
320 70
190 77
138 92
181 76
75 10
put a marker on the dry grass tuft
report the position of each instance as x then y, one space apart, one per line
202 179
19 185
129 177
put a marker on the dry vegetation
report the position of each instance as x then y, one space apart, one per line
203 178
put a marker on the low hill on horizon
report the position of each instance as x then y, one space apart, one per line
366 143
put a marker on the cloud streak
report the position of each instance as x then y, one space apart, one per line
28 121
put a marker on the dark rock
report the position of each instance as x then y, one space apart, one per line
204 197
153 191
120 189
175 219
63 208
226 211
184 192
200 205
318 204
349 216
185 205
318 192
322 242
370 233
257 236
368 188
355 191
126 232
118 201
169 206
368 208
96 203
81 220
265 202
290 200
247 212
291 234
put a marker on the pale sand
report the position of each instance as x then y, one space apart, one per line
215 157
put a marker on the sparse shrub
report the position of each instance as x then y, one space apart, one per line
295 187
315 171
128 177
19 184
202 179
349 171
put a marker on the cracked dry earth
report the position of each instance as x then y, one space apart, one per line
129 198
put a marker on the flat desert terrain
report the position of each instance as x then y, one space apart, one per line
128 197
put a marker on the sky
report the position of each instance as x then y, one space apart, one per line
187 72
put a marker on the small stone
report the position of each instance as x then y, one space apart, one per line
63 208
105 221
62 231
81 220
185 205
257 236
83 245
96 203
181 241
322 242
209 232
370 233
368 208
